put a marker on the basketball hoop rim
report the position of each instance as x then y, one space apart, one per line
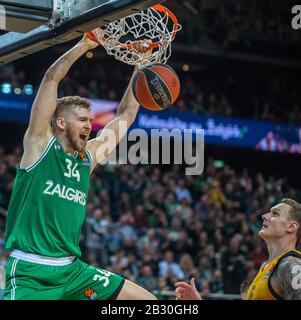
157 7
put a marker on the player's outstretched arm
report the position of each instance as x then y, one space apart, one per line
288 278
45 101
39 130
185 291
102 146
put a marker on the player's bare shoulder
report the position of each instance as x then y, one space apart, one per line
287 278
33 147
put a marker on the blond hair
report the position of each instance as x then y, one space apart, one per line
68 102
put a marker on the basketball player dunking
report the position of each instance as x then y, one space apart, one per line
48 202
280 277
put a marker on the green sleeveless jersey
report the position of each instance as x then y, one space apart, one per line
48 203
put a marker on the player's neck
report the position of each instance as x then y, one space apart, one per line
278 247
65 144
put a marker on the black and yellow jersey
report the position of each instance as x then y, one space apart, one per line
261 288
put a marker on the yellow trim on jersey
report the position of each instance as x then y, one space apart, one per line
260 288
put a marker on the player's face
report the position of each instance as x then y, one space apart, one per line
275 223
78 128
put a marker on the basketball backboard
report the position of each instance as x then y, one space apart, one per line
70 19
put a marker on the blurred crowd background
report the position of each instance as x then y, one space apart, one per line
153 224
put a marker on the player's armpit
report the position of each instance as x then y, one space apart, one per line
33 148
288 277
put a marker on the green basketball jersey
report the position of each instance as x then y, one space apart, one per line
48 203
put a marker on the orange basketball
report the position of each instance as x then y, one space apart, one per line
156 86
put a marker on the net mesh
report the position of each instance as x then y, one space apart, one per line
119 36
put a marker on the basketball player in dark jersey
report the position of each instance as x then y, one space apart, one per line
279 278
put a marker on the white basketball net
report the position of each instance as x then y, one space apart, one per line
148 24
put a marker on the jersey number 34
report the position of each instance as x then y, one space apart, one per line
71 170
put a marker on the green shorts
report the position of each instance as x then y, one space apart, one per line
75 281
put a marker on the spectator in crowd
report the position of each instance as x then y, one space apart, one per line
168 267
233 269
147 279
96 228
217 284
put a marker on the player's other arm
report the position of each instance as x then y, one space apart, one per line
39 130
101 147
288 278
185 291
